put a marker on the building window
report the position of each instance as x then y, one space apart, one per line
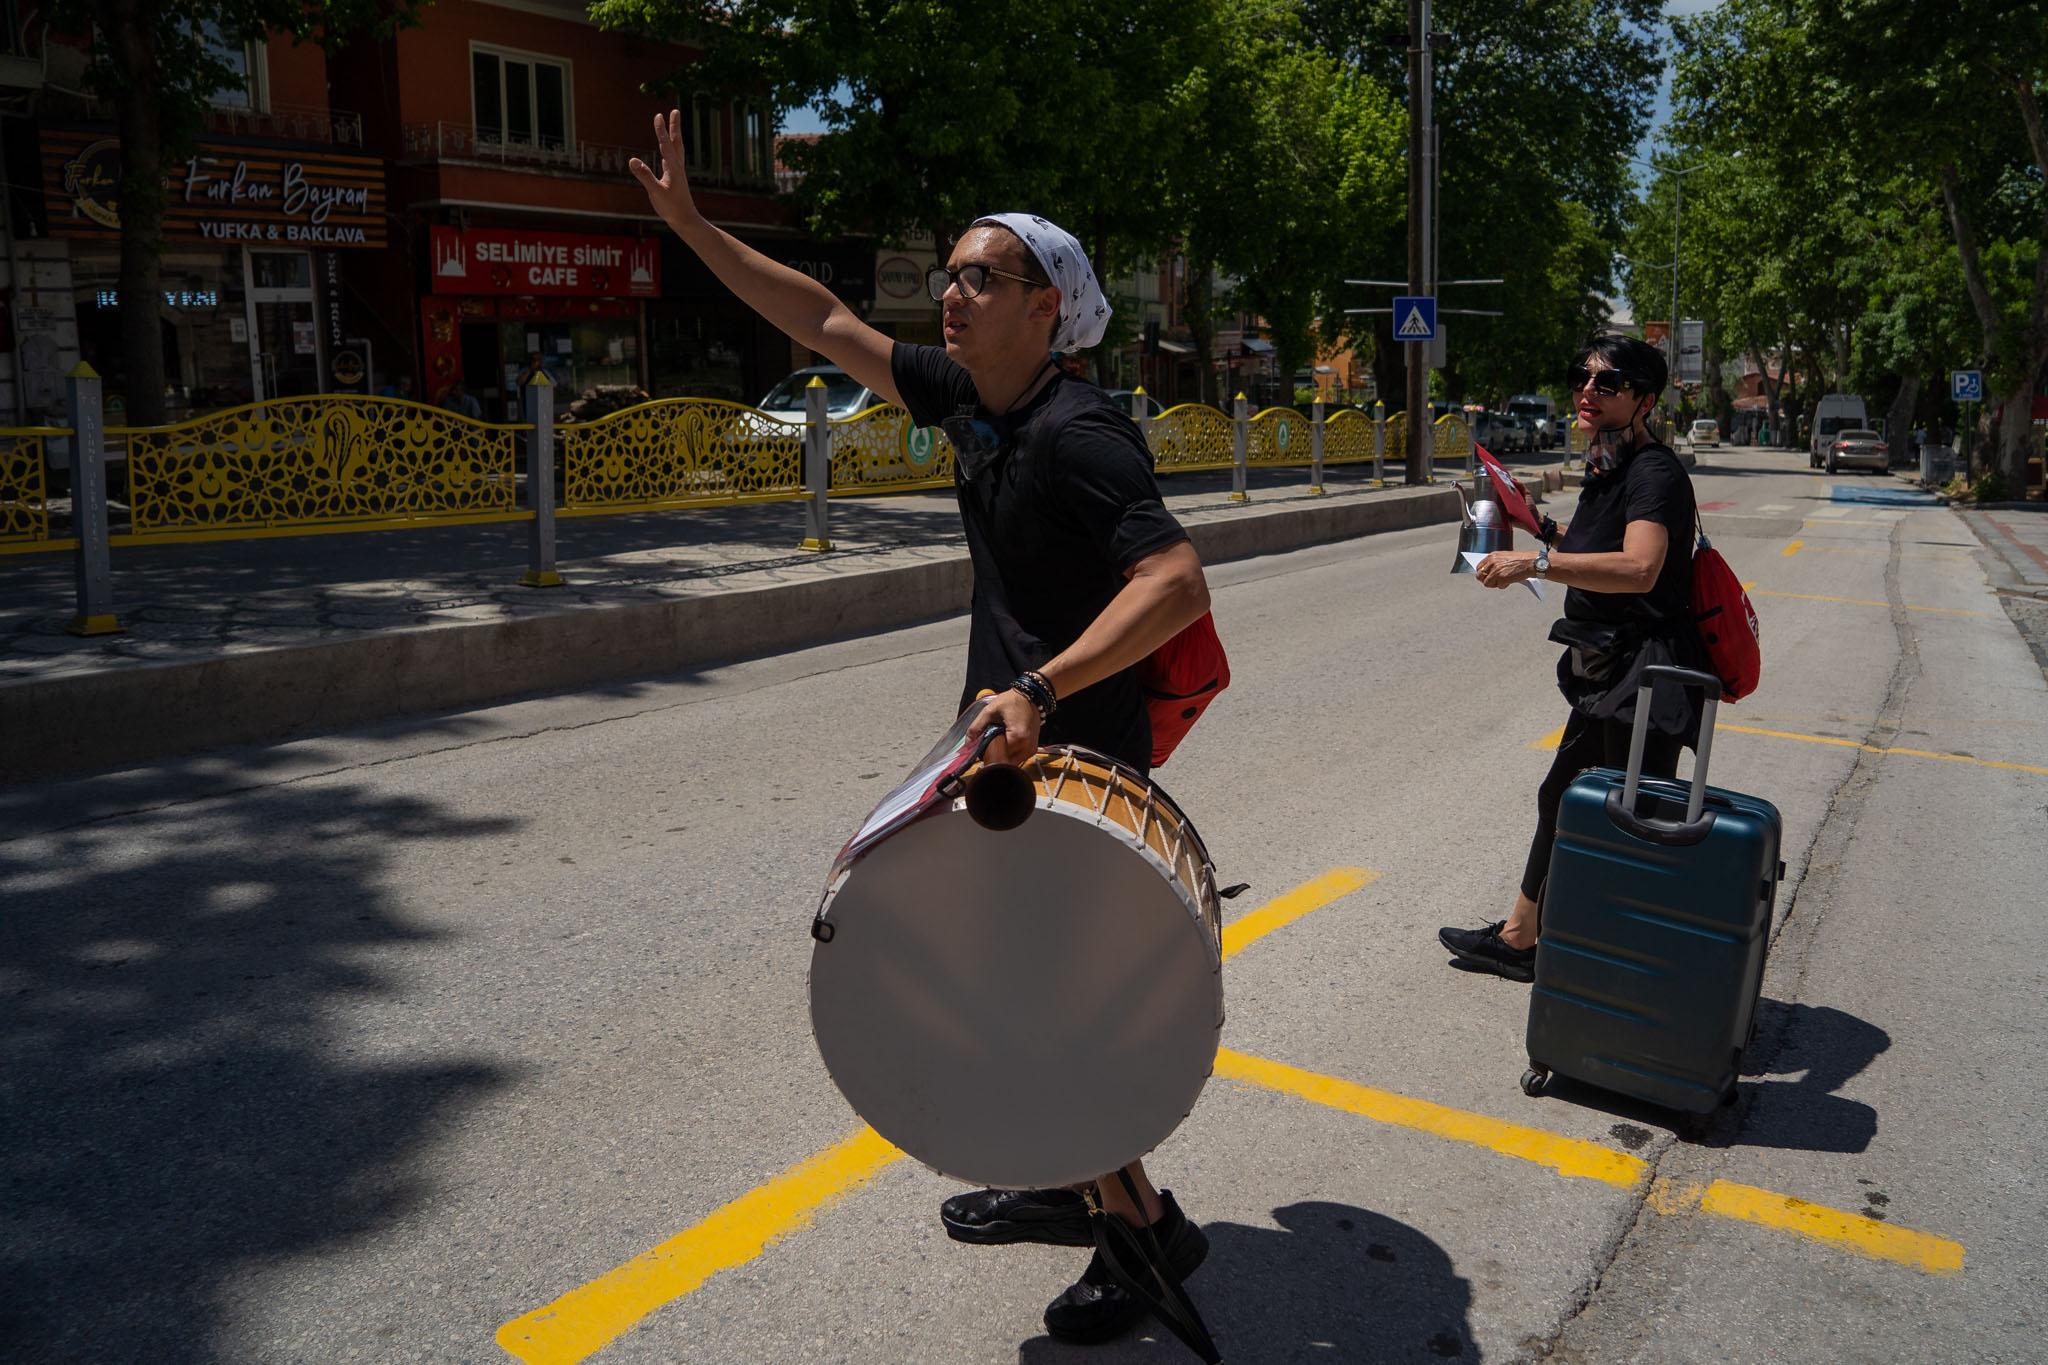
519 99
701 151
244 89
753 143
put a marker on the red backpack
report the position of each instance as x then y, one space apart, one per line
1727 622
1179 680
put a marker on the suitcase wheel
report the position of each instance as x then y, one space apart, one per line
1533 1081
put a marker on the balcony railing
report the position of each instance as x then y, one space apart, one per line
465 144
298 123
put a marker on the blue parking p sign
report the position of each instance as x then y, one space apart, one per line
1966 386
1414 317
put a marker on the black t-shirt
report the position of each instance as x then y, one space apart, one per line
1649 485
1068 506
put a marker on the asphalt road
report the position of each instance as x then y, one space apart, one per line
386 1046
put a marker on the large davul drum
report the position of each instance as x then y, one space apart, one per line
1025 1006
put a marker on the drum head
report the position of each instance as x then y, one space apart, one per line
1035 1007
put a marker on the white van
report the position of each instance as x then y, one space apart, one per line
1837 412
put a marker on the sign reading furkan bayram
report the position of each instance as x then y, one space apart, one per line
229 192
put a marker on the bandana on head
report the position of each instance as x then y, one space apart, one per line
1084 312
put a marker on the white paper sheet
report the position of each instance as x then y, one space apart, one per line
1473 557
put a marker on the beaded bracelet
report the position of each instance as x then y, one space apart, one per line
1033 687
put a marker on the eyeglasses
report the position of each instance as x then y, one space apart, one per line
1606 383
972 279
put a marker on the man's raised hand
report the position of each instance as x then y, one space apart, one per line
669 193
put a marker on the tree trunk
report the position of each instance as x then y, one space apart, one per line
2016 431
1718 401
1195 307
1973 268
1899 419
140 119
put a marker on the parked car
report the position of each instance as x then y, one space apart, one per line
1122 398
1532 436
1834 414
1705 433
844 395
1497 432
1550 430
1859 447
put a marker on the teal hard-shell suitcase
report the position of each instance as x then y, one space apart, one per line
1655 923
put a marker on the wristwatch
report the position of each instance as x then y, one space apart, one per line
1543 561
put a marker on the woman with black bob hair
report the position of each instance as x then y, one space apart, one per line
1626 563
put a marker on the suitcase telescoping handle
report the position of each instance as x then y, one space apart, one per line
1685 677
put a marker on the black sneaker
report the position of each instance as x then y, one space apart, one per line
1096 1307
1482 948
997 1217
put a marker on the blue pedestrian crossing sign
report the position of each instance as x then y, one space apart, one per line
1414 317
1966 386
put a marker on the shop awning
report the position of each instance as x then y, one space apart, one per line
1257 346
1175 347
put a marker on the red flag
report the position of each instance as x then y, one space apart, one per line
1511 500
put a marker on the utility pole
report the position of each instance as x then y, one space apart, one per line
1677 201
1421 143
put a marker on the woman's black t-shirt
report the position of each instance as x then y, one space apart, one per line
1069 505
1648 485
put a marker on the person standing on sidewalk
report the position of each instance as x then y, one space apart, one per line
1626 563
1080 573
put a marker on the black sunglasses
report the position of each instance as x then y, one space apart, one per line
972 279
1606 383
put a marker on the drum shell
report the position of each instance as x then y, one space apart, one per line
1032 1007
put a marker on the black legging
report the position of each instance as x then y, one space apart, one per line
1587 743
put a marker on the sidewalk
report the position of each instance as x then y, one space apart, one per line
248 641
2017 536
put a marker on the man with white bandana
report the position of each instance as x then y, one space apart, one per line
1080 573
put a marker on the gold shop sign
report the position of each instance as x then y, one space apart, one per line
230 192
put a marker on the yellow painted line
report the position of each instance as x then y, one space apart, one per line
1793 548
1282 911
1567 1156
1852 1232
586 1320
1858 601
1548 744
1881 749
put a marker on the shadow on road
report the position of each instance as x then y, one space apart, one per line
1332 1283
182 1111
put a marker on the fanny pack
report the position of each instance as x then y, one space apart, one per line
1599 651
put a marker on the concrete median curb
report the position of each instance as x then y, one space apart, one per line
121 717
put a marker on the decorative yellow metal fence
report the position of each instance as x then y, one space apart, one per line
680 452
1278 436
1347 437
879 451
1453 440
24 494
330 459
1189 437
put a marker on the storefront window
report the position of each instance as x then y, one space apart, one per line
205 325
697 351
583 354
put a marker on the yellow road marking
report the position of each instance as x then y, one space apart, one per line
1880 749
1282 911
1793 548
1567 1156
1853 1232
1550 742
1857 601
1591 1161
587 1319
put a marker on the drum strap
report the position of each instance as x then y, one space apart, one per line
1135 1258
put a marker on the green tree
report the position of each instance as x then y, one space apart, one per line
1923 101
158 62
1538 103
